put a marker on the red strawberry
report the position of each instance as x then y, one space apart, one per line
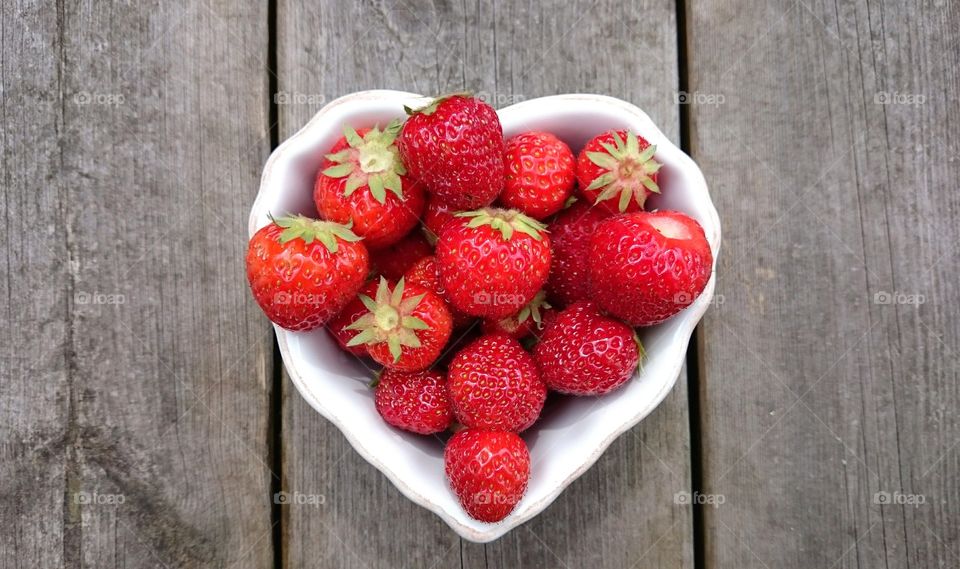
436 216
454 145
494 262
414 401
532 319
494 384
646 267
405 327
586 353
540 174
570 239
353 310
426 274
488 471
364 182
392 262
617 171
303 271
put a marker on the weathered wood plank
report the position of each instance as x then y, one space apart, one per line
831 148
137 374
621 513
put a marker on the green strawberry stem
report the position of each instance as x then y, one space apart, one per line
506 221
629 171
310 230
371 160
390 320
431 107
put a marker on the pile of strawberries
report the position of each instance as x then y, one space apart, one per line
433 224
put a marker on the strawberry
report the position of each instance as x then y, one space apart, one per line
353 310
426 274
617 171
454 145
414 401
493 262
488 471
583 352
303 271
363 181
436 216
392 262
532 319
494 384
646 267
540 174
570 235
405 327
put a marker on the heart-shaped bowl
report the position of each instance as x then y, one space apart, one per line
573 432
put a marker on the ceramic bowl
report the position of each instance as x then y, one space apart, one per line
573 432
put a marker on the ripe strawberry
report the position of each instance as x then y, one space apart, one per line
494 384
540 174
617 171
364 182
426 274
392 262
353 310
494 264
415 401
454 145
570 235
303 271
586 353
405 327
646 267
532 319
488 471
436 216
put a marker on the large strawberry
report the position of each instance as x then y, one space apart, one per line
540 174
617 171
395 260
488 471
303 272
363 181
646 267
426 274
454 145
532 319
405 327
416 401
494 384
570 234
493 262
583 352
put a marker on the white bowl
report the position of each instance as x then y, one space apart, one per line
573 432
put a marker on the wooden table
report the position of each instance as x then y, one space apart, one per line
144 418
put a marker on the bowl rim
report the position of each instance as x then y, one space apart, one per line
484 532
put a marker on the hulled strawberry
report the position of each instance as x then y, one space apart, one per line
617 171
436 216
426 273
646 267
303 271
405 327
416 401
494 384
363 181
454 145
532 319
540 174
583 352
353 310
570 234
395 260
494 262
488 471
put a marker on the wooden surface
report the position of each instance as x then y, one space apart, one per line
143 420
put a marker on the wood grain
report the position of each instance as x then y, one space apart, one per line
619 514
829 372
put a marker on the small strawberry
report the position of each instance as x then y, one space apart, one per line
454 145
617 171
540 174
436 216
570 235
583 352
393 261
303 271
488 471
405 327
494 262
415 401
494 384
353 310
532 319
646 267
426 274
364 182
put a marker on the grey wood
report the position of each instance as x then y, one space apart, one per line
136 371
621 513
828 134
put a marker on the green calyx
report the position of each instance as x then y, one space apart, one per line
371 160
506 221
641 352
390 320
431 107
310 230
629 171
533 308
